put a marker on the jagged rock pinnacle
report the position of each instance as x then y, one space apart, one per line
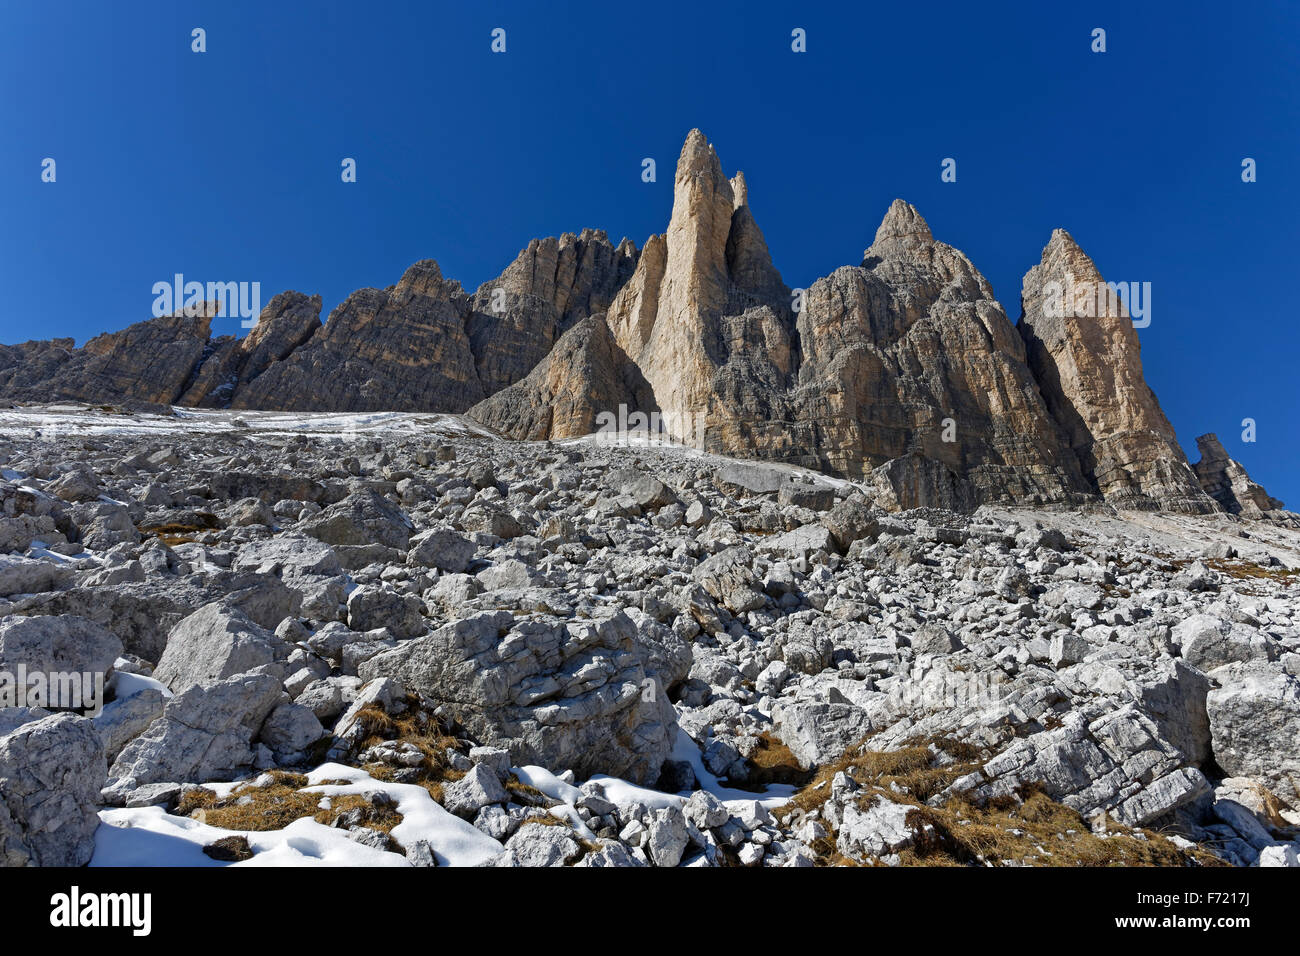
902 221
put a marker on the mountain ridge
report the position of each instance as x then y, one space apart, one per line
903 371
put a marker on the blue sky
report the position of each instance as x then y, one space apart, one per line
225 165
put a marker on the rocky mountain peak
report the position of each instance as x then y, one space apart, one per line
739 191
1085 354
673 318
425 278
1226 481
902 222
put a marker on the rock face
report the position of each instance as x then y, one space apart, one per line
586 375
1084 351
554 693
911 364
288 320
515 319
902 371
396 348
149 362
1226 481
706 316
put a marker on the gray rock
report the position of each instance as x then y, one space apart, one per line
1282 854
1116 760
1255 726
819 732
350 729
935 639
124 719
729 579
420 853
879 829
647 491
496 759
57 645
213 643
705 811
205 733
801 494
292 553
442 549
290 730
1067 649
537 844
51 772
568 694
611 854
372 608
360 519
759 479
19 575
474 791
1208 642
1162 796
667 838
852 520
11 718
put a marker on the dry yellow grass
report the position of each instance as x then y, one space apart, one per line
774 762
174 533
416 729
275 806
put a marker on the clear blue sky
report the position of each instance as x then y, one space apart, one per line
225 165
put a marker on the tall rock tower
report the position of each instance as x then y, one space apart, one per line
1084 351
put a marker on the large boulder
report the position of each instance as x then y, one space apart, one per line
360 519
204 734
442 549
1116 761
1173 695
288 553
852 520
1208 642
646 490
817 732
537 844
567 694
143 613
127 716
371 608
19 575
213 643
1255 726
56 645
51 771
290 730
729 578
